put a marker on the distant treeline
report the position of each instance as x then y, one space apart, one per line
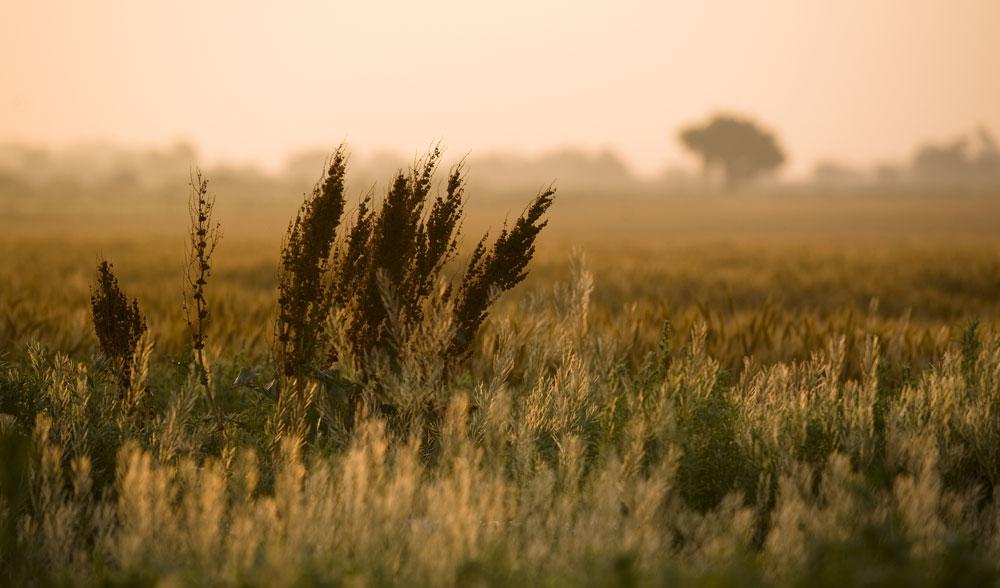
971 161
113 169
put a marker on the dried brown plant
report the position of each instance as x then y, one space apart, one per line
405 245
303 293
304 296
205 233
497 269
119 326
382 273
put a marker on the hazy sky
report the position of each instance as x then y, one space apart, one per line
855 80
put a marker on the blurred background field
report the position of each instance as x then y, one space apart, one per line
773 269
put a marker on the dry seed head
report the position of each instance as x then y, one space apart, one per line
118 324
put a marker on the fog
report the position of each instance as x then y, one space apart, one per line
968 160
856 81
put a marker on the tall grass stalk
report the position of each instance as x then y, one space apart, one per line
204 234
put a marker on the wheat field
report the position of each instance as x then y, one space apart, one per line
698 392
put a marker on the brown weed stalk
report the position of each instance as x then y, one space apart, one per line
496 270
407 243
403 245
120 327
205 233
304 296
384 271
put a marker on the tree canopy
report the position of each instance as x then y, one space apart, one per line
736 146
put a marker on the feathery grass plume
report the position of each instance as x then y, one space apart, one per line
399 252
205 234
119 326
349 261
304 297
398 320
401 247
393 251
497 269
131 417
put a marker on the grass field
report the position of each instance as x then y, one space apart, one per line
824 408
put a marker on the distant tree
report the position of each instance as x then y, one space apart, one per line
737 146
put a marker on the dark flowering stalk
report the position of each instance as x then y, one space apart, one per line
304 292
205 235
119 326
381 275
406 244
497 269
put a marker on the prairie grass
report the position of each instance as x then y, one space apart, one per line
817 413
573 470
